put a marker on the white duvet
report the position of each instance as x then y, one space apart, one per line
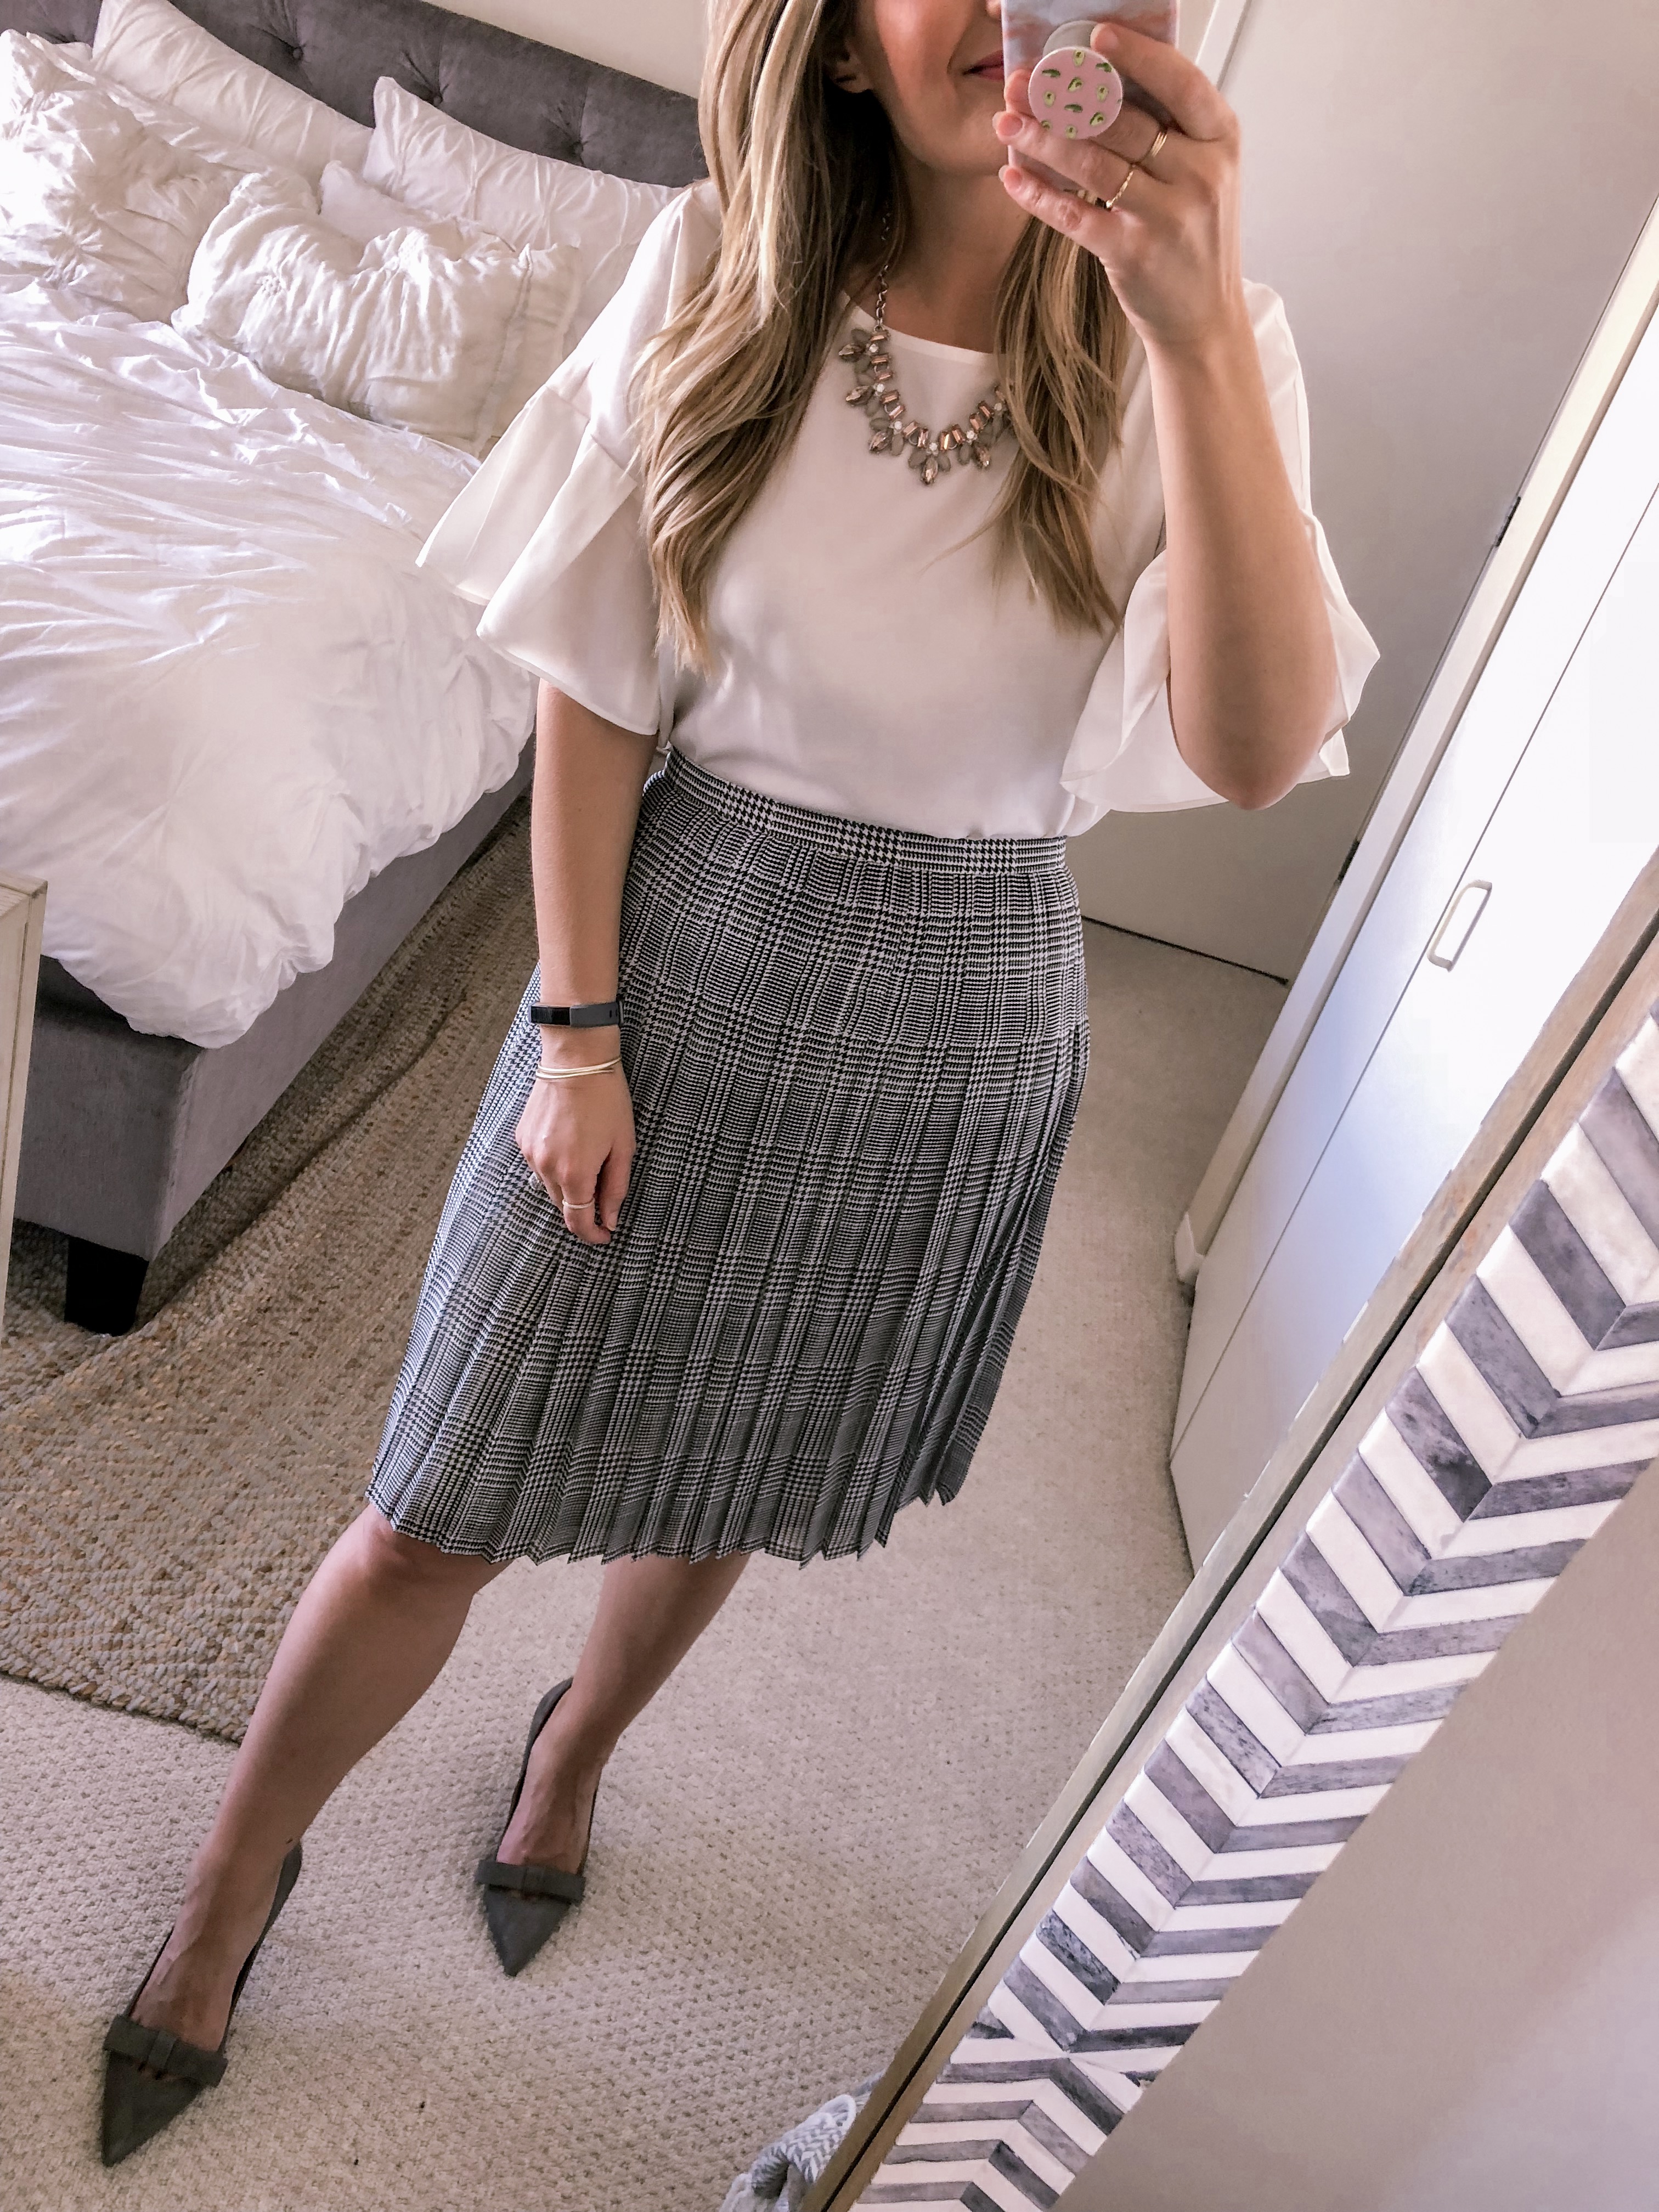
227 695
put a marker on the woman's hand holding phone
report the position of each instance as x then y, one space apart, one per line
1252 666
1170 239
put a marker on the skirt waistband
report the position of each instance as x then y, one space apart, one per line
861 841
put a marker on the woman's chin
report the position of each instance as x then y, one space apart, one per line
979 102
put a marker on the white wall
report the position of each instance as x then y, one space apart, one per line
1463 2015
661 39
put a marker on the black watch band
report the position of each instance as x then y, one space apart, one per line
603 1016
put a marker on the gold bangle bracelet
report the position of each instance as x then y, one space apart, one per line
566 1074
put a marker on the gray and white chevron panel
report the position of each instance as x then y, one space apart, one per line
1529 1414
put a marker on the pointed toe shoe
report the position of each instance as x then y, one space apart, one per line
523 1904
149 2074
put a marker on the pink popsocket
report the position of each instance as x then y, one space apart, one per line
1075 90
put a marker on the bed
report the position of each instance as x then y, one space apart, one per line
127 1120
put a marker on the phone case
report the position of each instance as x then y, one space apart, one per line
1078 93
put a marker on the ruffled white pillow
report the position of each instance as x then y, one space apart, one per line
89 197
425 328
159 51
430 162
364 214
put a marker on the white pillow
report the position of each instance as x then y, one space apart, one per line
364 214
402 330
443 167
363 211
89 197
159 117
157 51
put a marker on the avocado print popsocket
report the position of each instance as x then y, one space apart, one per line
1075 90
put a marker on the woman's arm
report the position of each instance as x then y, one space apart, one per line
578 1136
1252 664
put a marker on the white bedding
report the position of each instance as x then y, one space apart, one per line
227 695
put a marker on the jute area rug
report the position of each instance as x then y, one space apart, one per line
165 1496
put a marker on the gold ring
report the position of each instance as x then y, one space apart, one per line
1157 146
577 1205
1106 206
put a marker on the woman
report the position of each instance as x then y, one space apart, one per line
844 944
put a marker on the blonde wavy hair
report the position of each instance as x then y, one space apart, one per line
812 202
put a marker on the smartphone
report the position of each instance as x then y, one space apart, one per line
1077 92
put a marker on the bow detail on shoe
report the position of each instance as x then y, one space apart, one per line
162 2052
530 1880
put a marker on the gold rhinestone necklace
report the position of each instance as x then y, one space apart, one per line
892 429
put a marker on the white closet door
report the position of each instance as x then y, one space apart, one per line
1549 792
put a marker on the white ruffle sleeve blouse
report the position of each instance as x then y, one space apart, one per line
866 660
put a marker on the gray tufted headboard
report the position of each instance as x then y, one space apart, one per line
529 95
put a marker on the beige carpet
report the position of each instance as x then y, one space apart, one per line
791 1844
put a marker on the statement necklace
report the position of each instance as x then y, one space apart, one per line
892 429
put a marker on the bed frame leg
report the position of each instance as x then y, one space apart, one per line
103 1289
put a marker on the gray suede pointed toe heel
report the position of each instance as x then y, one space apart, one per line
150 2076
523 1904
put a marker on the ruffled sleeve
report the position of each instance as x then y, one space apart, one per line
1123 754
546 538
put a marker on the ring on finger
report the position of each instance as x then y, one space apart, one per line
1155 148
577 1205
1106 206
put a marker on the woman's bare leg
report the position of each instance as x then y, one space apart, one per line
651 1612
368 1639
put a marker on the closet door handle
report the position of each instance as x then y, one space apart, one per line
1457 925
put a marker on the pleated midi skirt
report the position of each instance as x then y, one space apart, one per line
855 1053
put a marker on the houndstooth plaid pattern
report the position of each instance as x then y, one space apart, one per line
855 1053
